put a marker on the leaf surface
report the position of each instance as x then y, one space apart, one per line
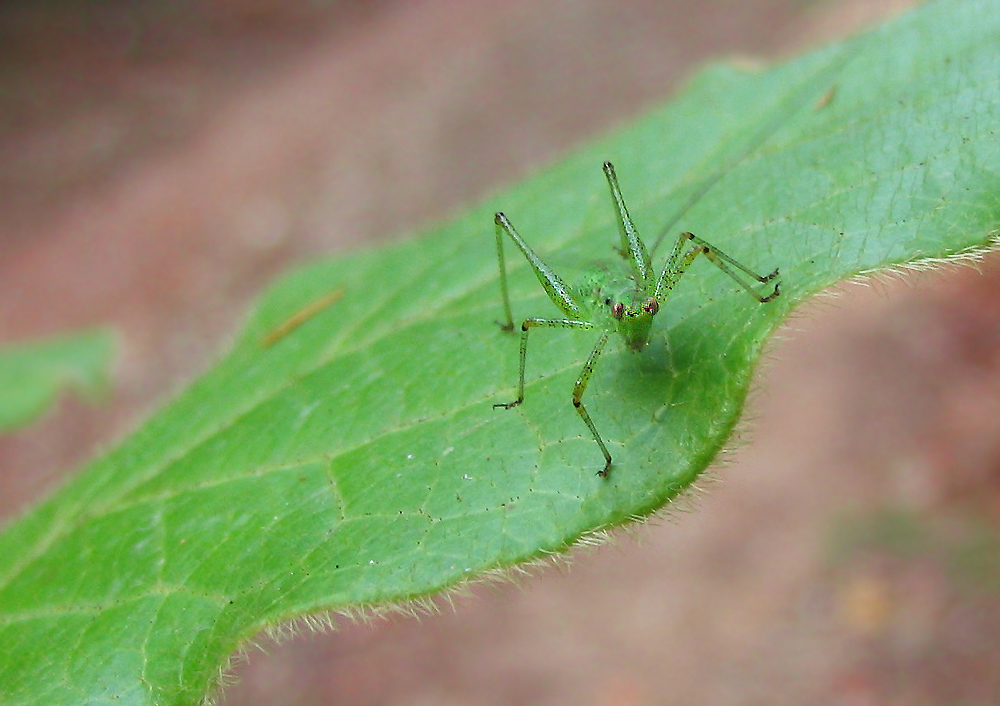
32 374
346 452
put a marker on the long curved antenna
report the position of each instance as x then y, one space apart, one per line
758 139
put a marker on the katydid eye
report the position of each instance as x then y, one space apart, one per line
617 310
652 306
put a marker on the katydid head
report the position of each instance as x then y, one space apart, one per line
633 313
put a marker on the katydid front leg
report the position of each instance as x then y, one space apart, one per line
581 382
578 390
679 261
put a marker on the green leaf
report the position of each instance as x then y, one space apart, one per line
32 374
346 453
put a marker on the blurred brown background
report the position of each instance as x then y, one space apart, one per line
161 162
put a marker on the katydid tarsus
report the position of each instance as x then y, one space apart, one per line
620 297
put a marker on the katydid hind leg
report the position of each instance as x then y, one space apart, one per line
632 247
557 290
500 220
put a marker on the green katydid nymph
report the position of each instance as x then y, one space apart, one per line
614 298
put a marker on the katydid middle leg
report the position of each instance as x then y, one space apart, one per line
525 327
581 382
